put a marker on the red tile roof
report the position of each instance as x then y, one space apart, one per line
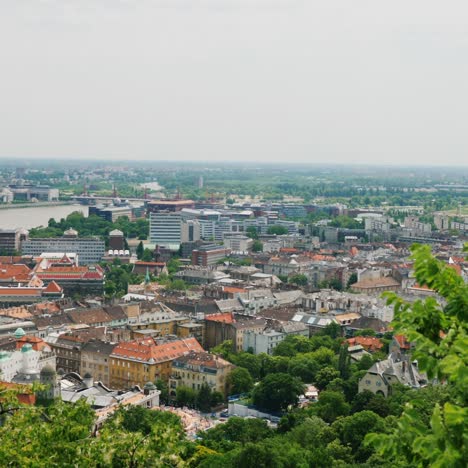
139 263
367 342
227 317
53 288
233 290
14 272
146 349
20 292
37 344
402 341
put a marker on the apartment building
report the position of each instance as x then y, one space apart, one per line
95 357
144 360
196 368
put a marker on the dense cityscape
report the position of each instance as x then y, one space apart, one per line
207 315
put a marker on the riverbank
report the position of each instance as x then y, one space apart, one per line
14 206
37 214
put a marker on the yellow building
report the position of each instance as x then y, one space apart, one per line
144 360
195 368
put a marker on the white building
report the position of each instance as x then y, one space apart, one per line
166 229
24 365
238 243
90 250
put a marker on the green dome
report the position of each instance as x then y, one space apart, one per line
47 370
149 386
26 348
19 333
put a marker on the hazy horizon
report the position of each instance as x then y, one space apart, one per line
254 81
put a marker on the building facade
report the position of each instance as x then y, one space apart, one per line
90 250
196 368
144 360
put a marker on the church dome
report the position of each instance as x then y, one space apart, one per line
19 333
26 348
47 370
149 386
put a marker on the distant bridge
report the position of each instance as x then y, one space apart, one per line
87 200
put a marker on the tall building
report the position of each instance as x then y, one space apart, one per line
11 240
166 229
89 249
207 255
116 240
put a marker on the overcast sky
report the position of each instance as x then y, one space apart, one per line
258 80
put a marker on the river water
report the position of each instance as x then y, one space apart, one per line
38 216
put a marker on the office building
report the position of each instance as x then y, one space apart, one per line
90 250
166 229
116 240
207 255
11 240
111 213
30 192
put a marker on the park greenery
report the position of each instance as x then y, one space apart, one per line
93 226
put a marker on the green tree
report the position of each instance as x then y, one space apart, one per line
331 405
298 280
239 381
257 246
325 376
185 396
352 279
439 335
252 232
276 392
139 250
352 429
178 285
161 385
278 230
147 256
344 362
248 361
204 398
333 330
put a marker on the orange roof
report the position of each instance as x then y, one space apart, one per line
9 259
37 343
53 287
288 250
227 317
367 342
233 290
353 251
15 272
402 341
20 292
146 349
